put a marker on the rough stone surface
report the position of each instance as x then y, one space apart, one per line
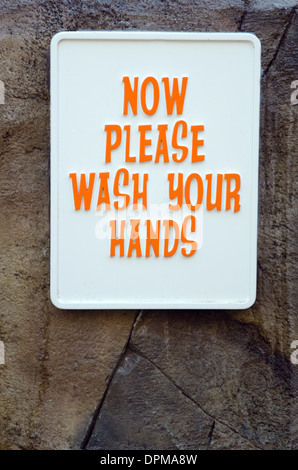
170 380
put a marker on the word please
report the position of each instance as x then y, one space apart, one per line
181 189
115 135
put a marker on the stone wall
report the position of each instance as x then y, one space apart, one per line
150 379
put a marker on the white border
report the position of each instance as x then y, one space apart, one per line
152 36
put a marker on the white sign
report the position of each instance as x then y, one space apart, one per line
154 170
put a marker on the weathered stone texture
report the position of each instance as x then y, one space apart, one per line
222 388
170 380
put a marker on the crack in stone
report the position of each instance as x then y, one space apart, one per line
114 371
189 397
280 43
245 11
211 434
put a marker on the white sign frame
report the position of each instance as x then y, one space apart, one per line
66 291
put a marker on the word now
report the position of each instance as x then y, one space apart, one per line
175 97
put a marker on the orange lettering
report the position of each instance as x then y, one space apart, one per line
103 193
130 95
175 193
196 143
176 97
128 158
217 204
109 128
194 244
117 241
116 188
136 193
134 242
154 82
83 192
162 145
200 188
175 226
152 238
175 144
144 142
234 193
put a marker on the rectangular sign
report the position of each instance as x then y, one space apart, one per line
154 170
